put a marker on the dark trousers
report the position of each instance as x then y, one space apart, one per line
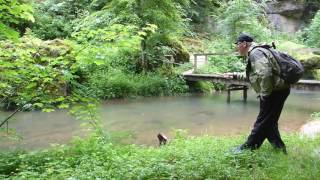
266 125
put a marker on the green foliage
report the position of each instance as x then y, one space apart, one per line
200 9
117 84
199 12
152 12
50 74
315 116
36 72
218 64
183 68
13 12
201 87
110 61
221 64
183 158
9 162
159 25
98 4
311 35
54 18
166 16
116 46
239 16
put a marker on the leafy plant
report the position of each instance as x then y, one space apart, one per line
13 13
117 84
36 72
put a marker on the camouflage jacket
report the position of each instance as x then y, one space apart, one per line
263 71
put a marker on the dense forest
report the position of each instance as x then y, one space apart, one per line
72 54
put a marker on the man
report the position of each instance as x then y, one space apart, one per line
261 72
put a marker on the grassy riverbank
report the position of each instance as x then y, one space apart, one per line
184 158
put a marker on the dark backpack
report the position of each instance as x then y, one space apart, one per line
291 70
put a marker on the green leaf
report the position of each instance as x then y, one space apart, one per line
99 62
63 106
31 85
40 105
60 99
47 110
8 32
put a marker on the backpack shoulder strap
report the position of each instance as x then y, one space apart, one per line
249 66
261 46
269 49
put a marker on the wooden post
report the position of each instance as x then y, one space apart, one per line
245 89
229 94
206 59
195 63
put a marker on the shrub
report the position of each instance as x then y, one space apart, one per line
117 84
36 72
54 18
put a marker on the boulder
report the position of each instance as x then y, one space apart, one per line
289 16
310 129
287 8
284 24
309 57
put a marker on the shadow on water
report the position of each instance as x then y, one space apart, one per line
145 117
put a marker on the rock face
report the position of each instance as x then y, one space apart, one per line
288 15
311 129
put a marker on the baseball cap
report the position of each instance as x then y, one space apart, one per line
244 37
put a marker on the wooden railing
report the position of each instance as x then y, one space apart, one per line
206 55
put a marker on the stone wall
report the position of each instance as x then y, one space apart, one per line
290 15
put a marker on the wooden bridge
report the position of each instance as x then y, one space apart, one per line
233 84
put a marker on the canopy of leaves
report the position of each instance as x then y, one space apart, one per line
115 46
160 26
54 18
239 16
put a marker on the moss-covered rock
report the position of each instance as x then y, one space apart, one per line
181 55
310 61
309 57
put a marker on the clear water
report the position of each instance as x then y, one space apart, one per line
145 117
